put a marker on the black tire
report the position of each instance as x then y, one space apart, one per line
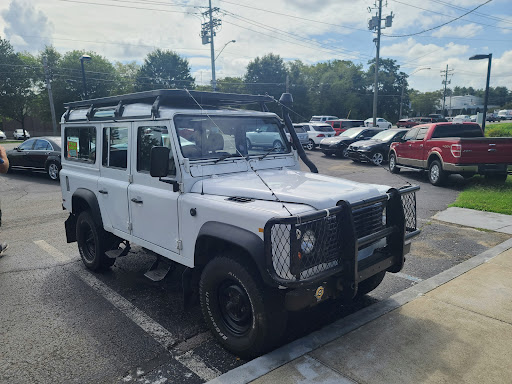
496 177
370 284
53 170
93 242
393 168
310 146
245 318
327 154
343 153
377 158
436 175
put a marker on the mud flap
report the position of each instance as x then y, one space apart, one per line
70 225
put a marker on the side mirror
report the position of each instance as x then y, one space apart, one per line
17 149
159 160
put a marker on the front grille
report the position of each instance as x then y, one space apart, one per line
368 219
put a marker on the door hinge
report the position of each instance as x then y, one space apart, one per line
130 226
130 178
179 245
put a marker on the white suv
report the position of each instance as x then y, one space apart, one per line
256 236
316 133
322 118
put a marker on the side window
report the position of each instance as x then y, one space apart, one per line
80 143
422 133
115 147
337 124
42 145
369 134
147 138
306 128
27 145
411 134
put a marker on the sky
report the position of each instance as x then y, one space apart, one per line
424 37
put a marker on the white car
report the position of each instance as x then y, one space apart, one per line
2 135
322 118
18 134
473 118
381 123
462 119
316 133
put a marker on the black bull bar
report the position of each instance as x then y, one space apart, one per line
307 249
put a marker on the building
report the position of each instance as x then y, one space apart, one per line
455 105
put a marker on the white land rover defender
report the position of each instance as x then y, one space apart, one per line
185 175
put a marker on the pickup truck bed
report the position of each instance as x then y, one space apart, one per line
444 148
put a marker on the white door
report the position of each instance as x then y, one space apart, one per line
153 204
114 175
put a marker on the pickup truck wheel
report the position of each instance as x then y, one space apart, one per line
377 158
92 242
310 145
436 175
244 317
392 164
370 284
496 177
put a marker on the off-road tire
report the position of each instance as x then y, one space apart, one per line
370 284
93 241
436 175
245 317
310 146
393 168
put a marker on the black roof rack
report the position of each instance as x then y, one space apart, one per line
175 98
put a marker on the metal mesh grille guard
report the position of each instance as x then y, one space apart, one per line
307 248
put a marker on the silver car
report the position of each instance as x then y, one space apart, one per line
301 134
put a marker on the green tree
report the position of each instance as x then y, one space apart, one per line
126 75
231 85
424 103
164 69
266 75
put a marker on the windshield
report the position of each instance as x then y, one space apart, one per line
299 130
351 133
218 137
384 135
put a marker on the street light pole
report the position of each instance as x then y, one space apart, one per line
225 45
486 99
82 59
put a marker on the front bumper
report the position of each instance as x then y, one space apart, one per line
327 148
339 235
358 155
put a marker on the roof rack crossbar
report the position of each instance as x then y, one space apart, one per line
90 112
154 108
118 112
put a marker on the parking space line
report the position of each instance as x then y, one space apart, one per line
150 326
52 251
408 277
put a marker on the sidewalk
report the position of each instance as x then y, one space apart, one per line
455 327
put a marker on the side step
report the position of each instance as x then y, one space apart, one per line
160 268
122 250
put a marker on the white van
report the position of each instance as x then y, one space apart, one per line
321 119
505 114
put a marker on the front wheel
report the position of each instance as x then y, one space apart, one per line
436 175
377 158
244 317
393 168
53 171
278 146
311 145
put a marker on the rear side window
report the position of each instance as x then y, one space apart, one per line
422 133
457 130
324 128
80 144
336 124
42 145
115 147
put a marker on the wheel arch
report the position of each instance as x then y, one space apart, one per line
215 237
434 156
84 199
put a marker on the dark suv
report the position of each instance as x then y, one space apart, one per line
338 145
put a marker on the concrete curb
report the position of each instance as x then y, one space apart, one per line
275 359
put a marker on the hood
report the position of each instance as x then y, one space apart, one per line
367 143
318 191
336 140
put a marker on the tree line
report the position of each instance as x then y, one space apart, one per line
336 87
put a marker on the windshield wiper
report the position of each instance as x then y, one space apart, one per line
224 157
268 153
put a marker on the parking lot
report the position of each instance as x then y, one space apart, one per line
60 323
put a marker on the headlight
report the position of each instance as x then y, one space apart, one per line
308 242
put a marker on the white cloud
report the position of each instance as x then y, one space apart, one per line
468 30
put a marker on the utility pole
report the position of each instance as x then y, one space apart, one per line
446 82
50 94
401 100
375 24
208 31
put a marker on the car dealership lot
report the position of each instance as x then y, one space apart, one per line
61 323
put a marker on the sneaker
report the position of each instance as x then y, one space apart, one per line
3 247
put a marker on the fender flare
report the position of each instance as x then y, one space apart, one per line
91 200
242 238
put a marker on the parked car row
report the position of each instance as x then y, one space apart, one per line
18 134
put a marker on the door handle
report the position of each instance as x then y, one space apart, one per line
103 192
137 201
421 145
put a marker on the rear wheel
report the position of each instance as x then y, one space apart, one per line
393 168
436 175
311 145
244 317
93 241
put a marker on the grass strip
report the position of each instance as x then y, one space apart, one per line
485 195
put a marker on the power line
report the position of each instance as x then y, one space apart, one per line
475 13
438 26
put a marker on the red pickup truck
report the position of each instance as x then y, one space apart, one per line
444 148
